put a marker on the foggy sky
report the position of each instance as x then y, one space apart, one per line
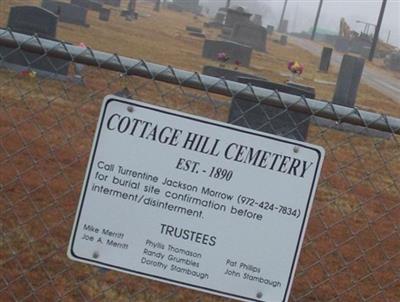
301 14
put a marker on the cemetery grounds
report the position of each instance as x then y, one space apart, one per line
351 248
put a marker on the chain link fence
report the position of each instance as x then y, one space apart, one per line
351 250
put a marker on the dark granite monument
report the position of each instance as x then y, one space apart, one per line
115 3
236 16
89 4
235 51
270 29
257 20
194 29
227 74
325 59
267 118
33 20
104 14
250 34
348 80
283 40
188 5
68 13
130 13
220 18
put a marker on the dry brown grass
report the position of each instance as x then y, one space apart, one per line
46 128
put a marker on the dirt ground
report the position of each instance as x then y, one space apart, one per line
352 244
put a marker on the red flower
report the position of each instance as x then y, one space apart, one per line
295 67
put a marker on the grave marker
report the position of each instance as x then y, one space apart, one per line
115 3
257 20
33 20
283 40
270 119
348 80
104 14
188 5
251 35
89 4
68 13
236 16
325 59
227 74
235 51
130 13
194 29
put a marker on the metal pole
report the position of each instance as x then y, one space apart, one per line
377 29
316 19
282 15
228 3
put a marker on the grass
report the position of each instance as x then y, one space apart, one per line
46 129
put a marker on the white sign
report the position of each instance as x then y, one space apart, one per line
195 202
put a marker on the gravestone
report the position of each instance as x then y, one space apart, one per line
236 16
251 35
218 20
270 29
227 74
342 44
226 32
198 35
68 13
235 51
130 13
325 59
174 7
115 3
104 14
283 26
188 5
290 88
33 20
348 80
220 17
283 40
307 91
267 118
89 4
257 20
194 29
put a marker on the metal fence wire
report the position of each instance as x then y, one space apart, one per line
351 250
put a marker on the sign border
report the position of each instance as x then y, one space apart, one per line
112 98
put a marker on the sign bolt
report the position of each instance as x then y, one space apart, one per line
130 109
96 255
259 295
296 149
